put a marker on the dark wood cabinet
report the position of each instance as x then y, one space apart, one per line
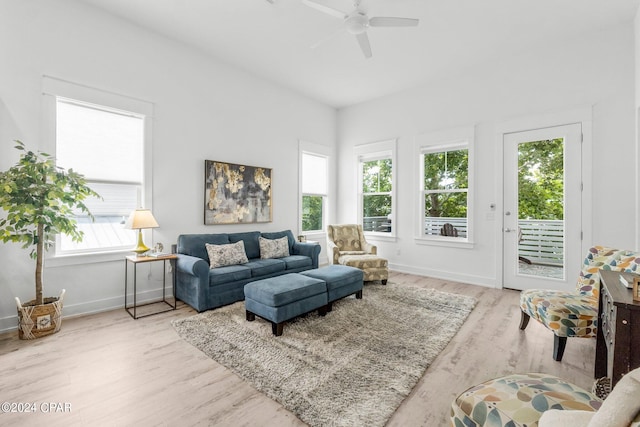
618 339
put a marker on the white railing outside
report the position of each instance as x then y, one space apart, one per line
432 225
542 240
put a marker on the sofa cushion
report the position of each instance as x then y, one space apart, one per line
194 244
230 254
230 273
251 245
297 261
264 267
274 248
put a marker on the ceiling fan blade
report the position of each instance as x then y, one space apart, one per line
363 40
386 21
319 5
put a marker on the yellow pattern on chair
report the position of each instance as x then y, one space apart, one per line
346 245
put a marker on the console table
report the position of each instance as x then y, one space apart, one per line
618 331
135 260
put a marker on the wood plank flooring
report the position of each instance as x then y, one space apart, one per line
112 370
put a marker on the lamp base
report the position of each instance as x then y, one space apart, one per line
141 247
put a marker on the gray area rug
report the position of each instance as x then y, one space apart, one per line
352 367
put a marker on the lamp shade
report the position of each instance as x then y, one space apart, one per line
139 219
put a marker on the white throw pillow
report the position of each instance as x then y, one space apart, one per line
622 405
231 254
274 248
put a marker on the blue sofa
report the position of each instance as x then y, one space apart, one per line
204 288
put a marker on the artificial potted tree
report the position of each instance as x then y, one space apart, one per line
40 200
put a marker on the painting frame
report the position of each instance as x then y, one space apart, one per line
236 193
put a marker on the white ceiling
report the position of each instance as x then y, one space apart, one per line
274 40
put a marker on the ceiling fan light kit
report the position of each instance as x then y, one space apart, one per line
357 22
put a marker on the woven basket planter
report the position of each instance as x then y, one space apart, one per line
36 321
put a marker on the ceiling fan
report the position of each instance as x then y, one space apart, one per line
357 22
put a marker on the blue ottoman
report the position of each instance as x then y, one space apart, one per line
282 298
341 281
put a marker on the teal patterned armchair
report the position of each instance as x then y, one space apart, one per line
575 314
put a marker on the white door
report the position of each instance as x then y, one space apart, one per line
542 218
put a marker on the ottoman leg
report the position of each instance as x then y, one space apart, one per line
250 316
330 307
276 328
359 294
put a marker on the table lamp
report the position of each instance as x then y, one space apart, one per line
139 219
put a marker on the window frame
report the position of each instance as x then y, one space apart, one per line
377 151
54 89
436 142
322 151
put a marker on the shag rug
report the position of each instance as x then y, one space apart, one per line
352 367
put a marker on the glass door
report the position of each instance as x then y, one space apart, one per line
542 220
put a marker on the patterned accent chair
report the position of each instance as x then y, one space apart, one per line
346 245
546 401
518 400
575 314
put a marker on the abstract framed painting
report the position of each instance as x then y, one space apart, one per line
235 194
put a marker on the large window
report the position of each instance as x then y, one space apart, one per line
445 191
445 182
96 137
376 187
314 171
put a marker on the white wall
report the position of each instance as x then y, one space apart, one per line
204 109
593 71
637 116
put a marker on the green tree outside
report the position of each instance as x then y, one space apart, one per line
311 213
376 179
541 180
446 170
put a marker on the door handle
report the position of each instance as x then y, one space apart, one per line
509 230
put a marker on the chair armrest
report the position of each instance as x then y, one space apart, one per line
312 250
192 265
334 252
370 249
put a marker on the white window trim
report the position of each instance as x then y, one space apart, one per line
449 139
53 87
305 147
376 151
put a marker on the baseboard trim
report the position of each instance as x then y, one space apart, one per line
489 282
10 323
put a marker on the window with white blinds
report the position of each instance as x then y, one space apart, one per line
106 145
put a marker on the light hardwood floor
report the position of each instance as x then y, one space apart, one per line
116 371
